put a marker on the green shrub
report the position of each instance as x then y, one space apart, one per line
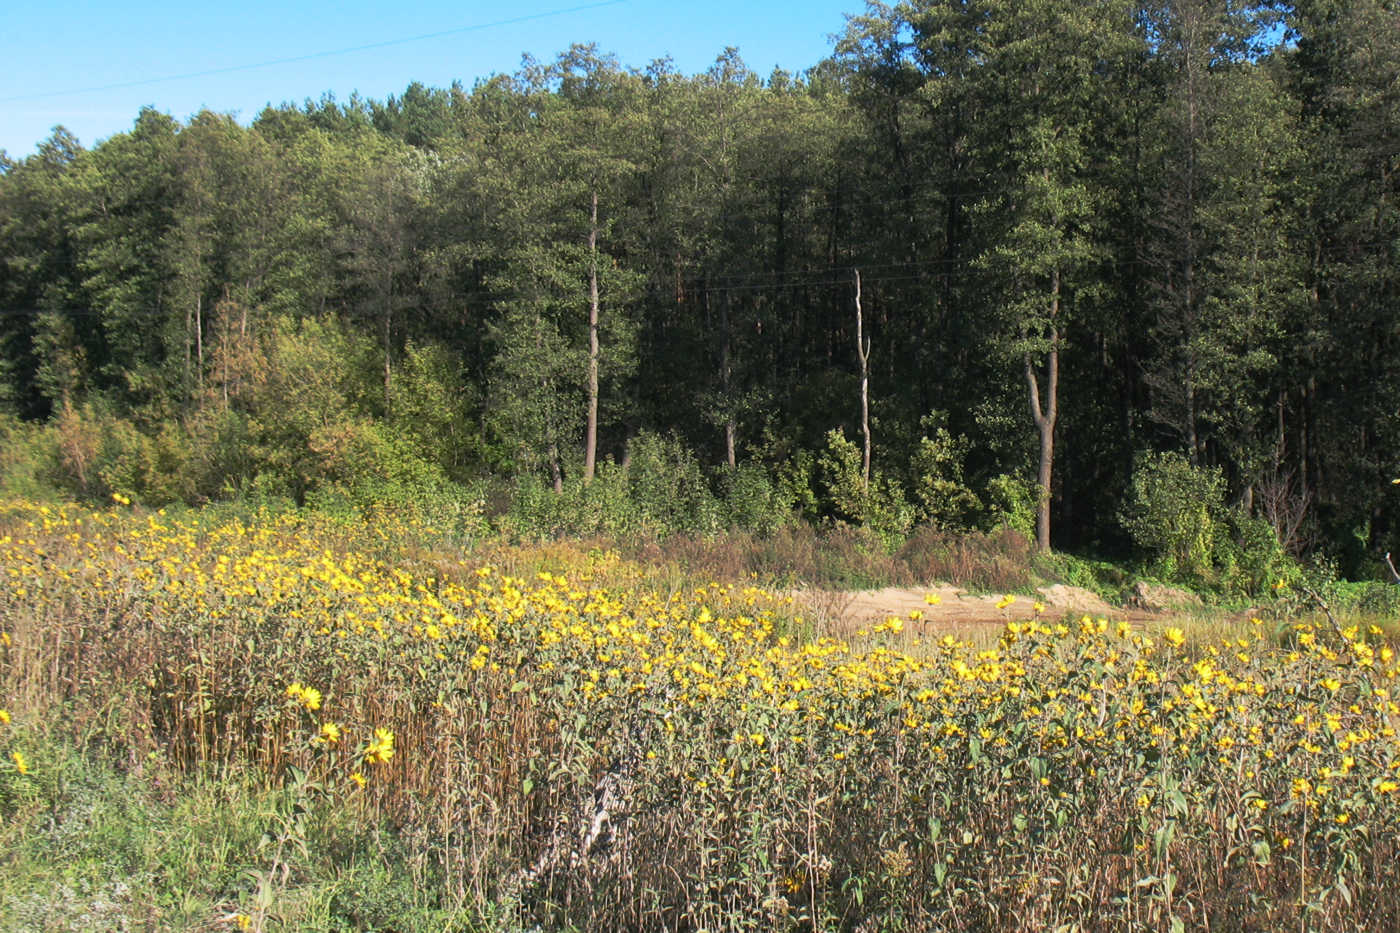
793 469
940 494
99 454
1249 558
28 459
1172 512
1106 580
222 461
796 482
660 492
365 468
1373 598
533 510
844 494
846 498
1011 503
432 408
752 500
668 488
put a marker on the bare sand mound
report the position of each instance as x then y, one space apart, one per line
955 606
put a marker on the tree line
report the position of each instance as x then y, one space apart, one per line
1081 235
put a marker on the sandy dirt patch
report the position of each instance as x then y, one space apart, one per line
956 608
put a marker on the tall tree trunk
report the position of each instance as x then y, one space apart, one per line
189 351
1195 44
730 428
227 349
1045 416
199 343
863 351
388 351
590 444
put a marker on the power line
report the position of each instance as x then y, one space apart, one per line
955 268
720 280
315 55
828 282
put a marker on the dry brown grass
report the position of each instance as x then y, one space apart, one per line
988 561
847 557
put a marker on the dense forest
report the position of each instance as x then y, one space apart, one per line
1129 254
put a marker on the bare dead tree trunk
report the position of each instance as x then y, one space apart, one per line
1045 416
1193 141
725 369
590 448
227 349
388 347
199 342
189 351
863 351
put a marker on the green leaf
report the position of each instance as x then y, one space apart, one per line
1162 839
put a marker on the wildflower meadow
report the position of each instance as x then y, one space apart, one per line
573 745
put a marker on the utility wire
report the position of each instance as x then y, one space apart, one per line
315 55
959 269
834 277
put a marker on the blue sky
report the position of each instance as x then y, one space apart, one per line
63 58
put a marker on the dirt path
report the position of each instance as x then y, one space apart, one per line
956 608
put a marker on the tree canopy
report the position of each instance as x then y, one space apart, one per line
1085 233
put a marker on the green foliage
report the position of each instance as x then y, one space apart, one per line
1011 502
661 491
846 498
753 501
792 467
535 404
1374 599
1249 558
1172 513
845 495
91 846
1106 580
940 493
668 488
28 460
100 455
432 410
1178 213
1177 515
223 457
283 410
366 469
